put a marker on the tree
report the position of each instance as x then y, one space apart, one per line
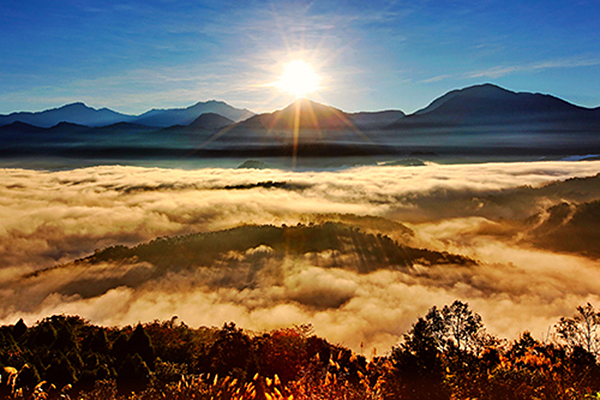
417 371
455 325
139 343
464 326
119 348
95 341
231 354
133 374
282 353
581 330
61 372
42 336
19 329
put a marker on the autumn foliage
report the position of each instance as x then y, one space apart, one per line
447 354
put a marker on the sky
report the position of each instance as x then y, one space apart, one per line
133 55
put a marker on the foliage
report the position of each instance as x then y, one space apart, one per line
445 355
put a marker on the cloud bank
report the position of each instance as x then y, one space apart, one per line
51 218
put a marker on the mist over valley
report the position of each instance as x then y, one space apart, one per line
358 253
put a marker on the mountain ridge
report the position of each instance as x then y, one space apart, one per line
81 114
491 104
187 115
77 112
480 96
482 120
369 251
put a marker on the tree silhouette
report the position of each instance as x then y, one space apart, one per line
133 374
120 348
19 329
445 354
455 325
139 343
96 341
582 329
417 371
60 372
43 335
231 354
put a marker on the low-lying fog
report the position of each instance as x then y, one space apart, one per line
52 218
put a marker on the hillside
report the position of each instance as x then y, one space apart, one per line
210 121
346 247
568 227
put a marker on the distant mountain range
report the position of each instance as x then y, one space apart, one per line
76 113
482 120
485 104
185 116
79 113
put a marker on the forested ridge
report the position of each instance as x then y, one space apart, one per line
447 354
374 251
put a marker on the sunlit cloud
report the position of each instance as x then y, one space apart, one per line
500 71
504 70
52 218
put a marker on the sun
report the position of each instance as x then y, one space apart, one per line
299 79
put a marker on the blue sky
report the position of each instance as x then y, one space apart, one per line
133 55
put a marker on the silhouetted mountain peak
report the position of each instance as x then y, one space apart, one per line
80 107
68 124
310 106
487 89
304 102
302 113
488 104
209 102
211 121
310 114
483 91
19 124
77 104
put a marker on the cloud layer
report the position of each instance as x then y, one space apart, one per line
49 218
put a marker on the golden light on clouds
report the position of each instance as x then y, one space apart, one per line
299 78
51 218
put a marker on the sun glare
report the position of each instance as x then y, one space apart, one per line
298 78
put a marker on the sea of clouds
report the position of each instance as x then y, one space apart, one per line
52 218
